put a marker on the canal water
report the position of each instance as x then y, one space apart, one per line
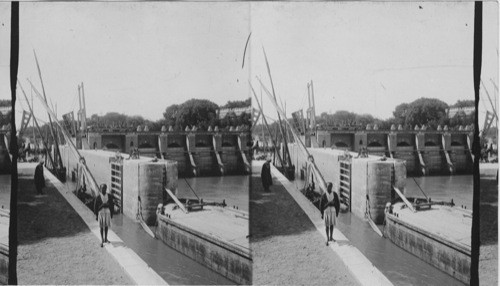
173 266
399 266
233 189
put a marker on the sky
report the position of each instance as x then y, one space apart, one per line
133 58
139 58
368 57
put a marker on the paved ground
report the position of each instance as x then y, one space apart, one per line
286 247
488 259
55 245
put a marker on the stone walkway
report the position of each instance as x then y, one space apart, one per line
488 251
55 244
286 246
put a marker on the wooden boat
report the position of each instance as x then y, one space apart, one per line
210 233
436 232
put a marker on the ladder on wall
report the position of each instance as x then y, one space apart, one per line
345 182
116 184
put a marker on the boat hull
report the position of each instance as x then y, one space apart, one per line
227 259
448 256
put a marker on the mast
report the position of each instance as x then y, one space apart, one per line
265 122
317 173
33 122
287 158
84 113
36 122
94 185
56 143
491 102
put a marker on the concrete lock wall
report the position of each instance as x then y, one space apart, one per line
368 176
359 186
97 161
448 258
147 181
209 251
379 188
327 161
141 177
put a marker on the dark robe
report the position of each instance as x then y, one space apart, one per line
265 175
336 203
39 178
98 205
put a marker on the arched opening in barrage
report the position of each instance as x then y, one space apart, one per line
145 145
374 144
403 144
430 144
112 146
201 144
455 143
173 145
341 145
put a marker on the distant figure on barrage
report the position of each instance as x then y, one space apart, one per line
39 178
265 175
330 206
103 209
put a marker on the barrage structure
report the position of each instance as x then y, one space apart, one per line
196 152
425 151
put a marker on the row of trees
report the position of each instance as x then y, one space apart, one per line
423 111
201 113
194 112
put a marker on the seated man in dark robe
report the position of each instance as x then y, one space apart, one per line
265 175
39 178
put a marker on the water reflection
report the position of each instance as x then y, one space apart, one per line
234 189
